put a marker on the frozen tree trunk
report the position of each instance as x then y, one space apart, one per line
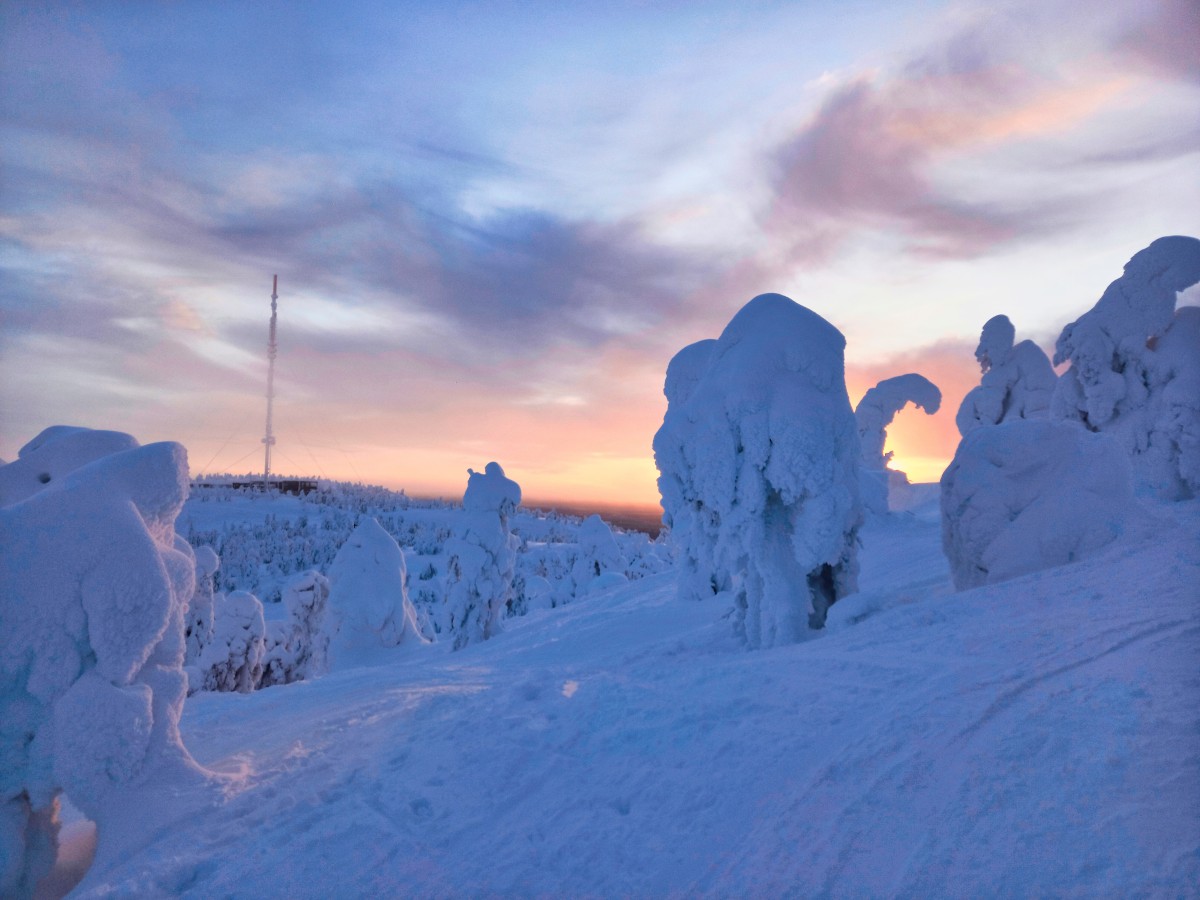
482 557
763 454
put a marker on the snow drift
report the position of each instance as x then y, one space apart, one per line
1032 494
763 454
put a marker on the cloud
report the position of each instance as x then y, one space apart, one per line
939 153
1163 37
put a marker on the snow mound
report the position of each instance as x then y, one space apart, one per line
96 585
1018 380
764 454
368 607
1030 495
1121 374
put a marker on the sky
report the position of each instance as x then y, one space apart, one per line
495 223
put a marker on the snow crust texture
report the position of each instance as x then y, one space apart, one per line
1135 361
1032 494
1018 380
1032 738
482 557
96 587
759 466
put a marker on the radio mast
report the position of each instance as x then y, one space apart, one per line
269 440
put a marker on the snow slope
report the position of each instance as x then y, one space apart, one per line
1040 736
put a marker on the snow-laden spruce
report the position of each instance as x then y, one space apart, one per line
55 452
1018 380
763 450
1129 377
873 415
482 556
1031 494
599 562
368 609
198 622
96 585
695 555
232 660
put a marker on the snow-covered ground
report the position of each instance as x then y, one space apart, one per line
1035 737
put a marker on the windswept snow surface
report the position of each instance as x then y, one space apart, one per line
1040 736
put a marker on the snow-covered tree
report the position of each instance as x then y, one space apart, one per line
232 660
598 554
95 587
1031 494
1123 365
198 623
368 609
306 598
873 415
1175 435
482 556
1018 380
688 531
296 647
55 452
764 452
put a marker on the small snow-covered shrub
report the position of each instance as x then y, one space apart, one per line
1032 494
95 587
1123 365
306 598
1018 380
368 607
597 554
296 648
873 415
482 557
763 455
232 660
198 623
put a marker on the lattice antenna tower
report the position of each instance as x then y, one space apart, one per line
269 439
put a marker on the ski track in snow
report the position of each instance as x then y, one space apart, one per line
1040 736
